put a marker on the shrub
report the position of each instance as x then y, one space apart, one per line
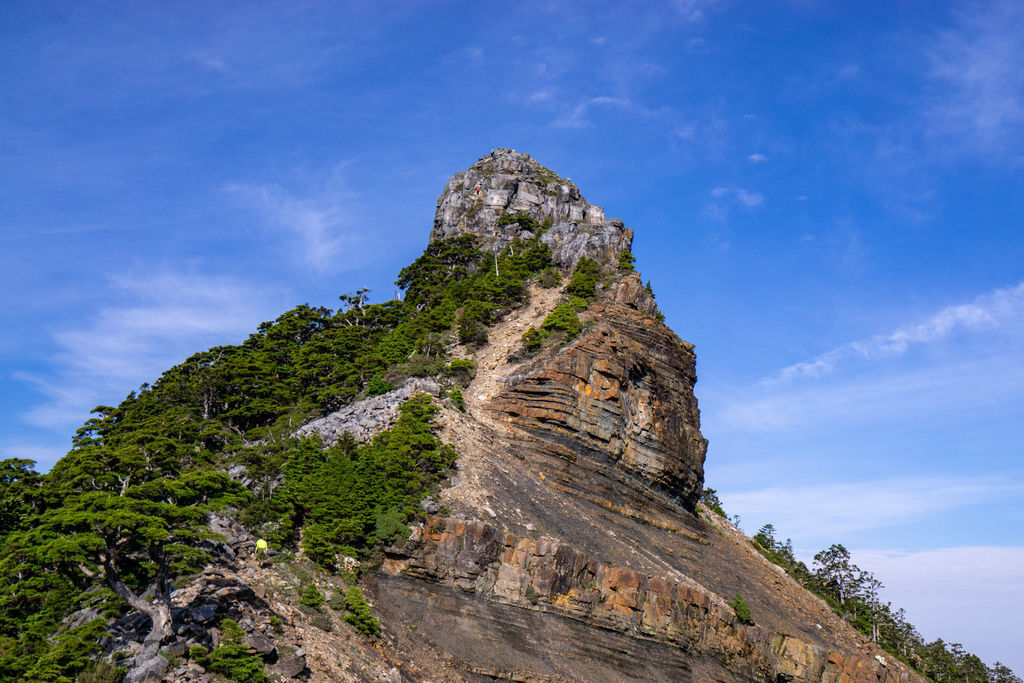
626 260
232 659
359 615
462 370
534 339
563 320
710 498
584 279
378 386
740 607
457 399
275 624
525 221
311 596
549 277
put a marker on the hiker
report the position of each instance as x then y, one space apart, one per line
261 550
476 188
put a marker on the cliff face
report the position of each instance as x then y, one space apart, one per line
616 403
573 546
505 183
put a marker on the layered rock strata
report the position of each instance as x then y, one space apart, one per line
618 401
485 563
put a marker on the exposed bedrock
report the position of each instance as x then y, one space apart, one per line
508 183
485 564
618 401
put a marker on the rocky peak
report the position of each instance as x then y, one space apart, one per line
509 183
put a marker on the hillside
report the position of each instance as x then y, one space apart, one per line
506 462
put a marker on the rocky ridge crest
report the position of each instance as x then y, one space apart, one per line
508 183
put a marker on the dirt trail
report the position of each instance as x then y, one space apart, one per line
492 360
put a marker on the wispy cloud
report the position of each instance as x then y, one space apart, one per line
718 208
317 226
693 10
938 587
990 310
577 117
164 317
829 510
756 158
976 67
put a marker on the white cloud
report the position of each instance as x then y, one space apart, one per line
693 10
976 68
986 386
577 118
320 226
990 310
748 198
540 96
719 210
164 317
756 158
829 510
972 595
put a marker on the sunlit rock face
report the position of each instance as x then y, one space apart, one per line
507 183
617 403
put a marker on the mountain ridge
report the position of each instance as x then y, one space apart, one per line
508 460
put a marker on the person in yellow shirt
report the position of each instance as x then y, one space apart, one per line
261 550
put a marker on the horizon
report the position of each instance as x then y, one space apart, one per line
827 201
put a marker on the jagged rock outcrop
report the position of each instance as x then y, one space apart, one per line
617 402
367 418
507 183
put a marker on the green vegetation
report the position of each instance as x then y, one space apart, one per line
525 221
462 370
534 340
311 596
378 386
125 511
740 607
359 615
563 321
853 593
710 498
585 277
549 277
232 658
458 400
626 261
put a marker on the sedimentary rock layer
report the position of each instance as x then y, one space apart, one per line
545 576
619 400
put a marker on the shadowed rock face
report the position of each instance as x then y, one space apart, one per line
508 183
617 402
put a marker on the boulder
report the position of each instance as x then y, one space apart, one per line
150 671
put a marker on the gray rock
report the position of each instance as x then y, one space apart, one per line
513 183
150 671
175 649
369 417
429 506
80 618
291 665
259 642
202 614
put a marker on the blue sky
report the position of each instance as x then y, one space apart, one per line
827 197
